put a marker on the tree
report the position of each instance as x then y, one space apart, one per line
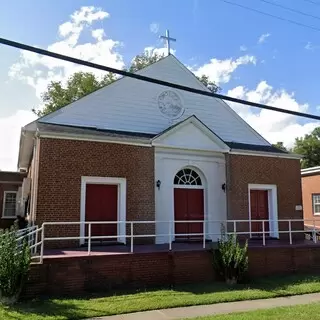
209 84
309 147
80 84
143 60
77 86
280 146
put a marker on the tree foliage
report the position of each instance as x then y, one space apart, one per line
230 260
143 60
280 146
80 84
213 87
14 265
309 147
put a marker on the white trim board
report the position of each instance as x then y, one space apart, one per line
122 193
309 171
266 154
272 206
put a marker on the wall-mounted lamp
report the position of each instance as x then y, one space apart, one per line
223 187
158 184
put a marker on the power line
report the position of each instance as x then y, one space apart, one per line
290 9
148 79
313 2
272 16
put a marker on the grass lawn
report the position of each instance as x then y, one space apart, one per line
208 293
302 312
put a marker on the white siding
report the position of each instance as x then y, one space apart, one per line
131 105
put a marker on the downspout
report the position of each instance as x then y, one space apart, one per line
228 185
35 176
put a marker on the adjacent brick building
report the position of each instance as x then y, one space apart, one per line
310 179
147 160
10 197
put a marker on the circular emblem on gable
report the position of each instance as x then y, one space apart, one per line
170 104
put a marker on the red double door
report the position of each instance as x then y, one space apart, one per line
259 211
188 205
102 205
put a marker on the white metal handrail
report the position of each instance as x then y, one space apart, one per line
30 234
171 232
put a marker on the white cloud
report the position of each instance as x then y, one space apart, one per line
220 71
98 34
154 27
9 138
89 15
243 48
274 126
38 71
263 38
160 51
311 47
308 46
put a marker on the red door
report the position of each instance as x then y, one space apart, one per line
181 210
102 205
259 211
188 205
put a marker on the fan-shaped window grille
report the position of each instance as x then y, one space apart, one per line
187 177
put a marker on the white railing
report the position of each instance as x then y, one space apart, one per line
205 235
30 234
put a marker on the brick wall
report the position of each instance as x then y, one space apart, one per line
310 185
78 275
74 275
284 173
63 162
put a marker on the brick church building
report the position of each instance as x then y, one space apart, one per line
137 151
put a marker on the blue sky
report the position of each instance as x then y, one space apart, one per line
213 37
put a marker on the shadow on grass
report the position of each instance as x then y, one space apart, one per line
135 300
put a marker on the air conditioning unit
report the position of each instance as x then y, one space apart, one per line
26 187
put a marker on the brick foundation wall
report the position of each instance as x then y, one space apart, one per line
78 275
63 162
243 170
74 275
310 185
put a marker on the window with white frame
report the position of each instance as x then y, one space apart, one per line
187 177
316 204
9 204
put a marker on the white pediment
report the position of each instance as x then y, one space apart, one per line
190 134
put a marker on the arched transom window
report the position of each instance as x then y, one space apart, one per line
187 177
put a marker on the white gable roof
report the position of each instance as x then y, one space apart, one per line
190 134
132 105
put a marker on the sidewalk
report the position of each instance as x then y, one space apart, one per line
218 308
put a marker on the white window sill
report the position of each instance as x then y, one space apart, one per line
9 217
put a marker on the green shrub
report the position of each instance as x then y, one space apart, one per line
230 260
14 265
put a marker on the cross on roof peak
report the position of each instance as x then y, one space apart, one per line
168 39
